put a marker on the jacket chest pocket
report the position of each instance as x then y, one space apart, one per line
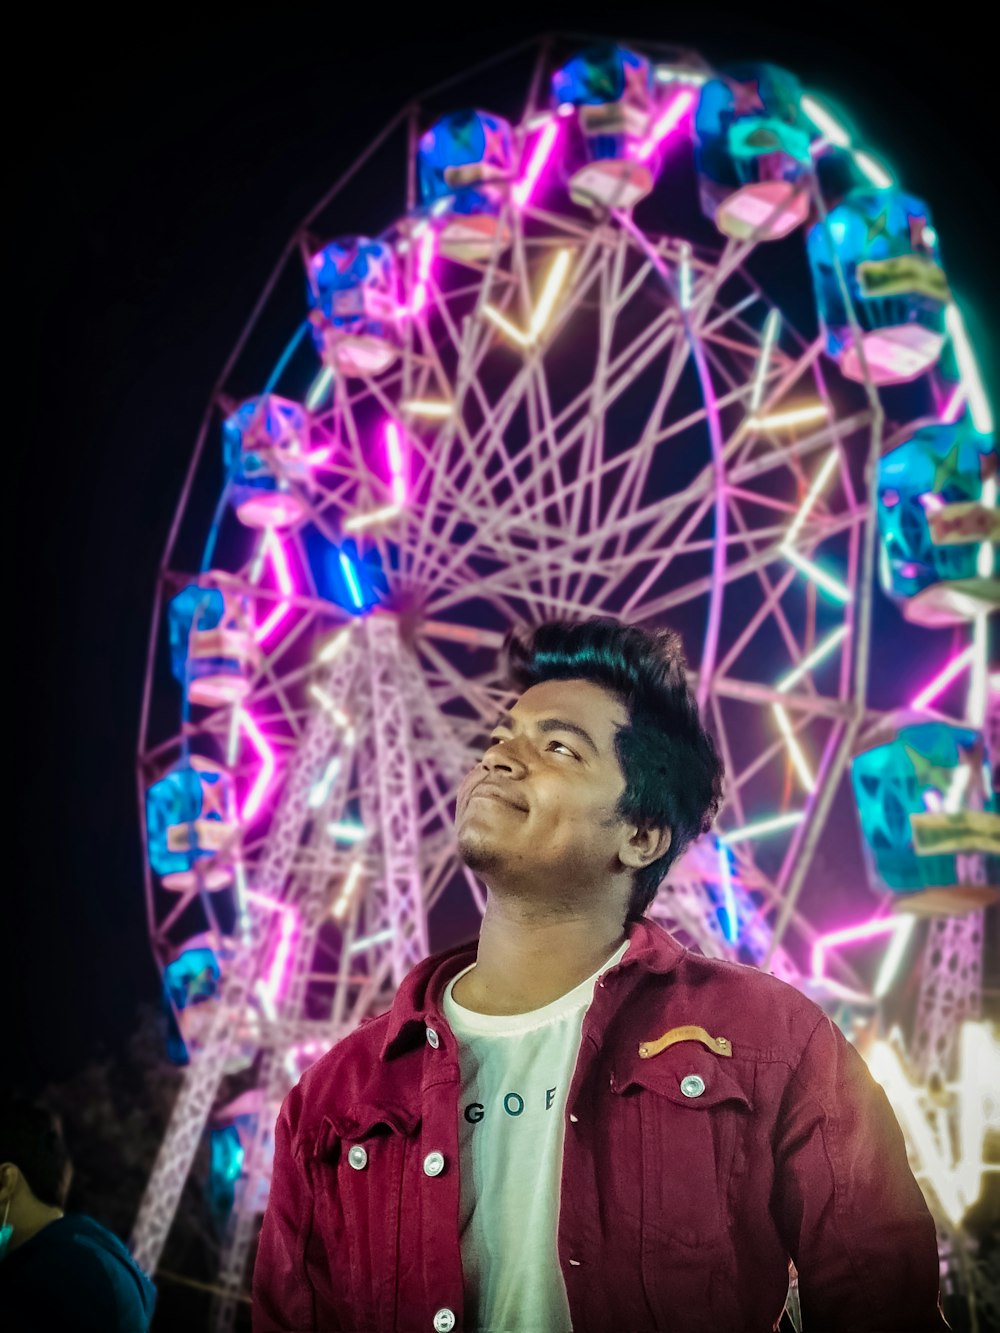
694 1116
363 1181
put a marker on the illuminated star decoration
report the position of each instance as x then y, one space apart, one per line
494 148
928 775
946 468
876 227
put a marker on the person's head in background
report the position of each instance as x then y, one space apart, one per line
607 771
35 1170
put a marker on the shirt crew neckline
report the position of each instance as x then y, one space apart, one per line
471 1022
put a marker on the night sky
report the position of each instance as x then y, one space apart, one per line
156 169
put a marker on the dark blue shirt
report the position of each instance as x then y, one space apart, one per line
74 1275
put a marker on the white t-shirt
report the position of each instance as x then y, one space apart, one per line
516 1071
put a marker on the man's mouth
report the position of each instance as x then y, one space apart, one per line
495 793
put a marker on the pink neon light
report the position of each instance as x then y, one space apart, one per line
277 977
667 123
267 766
931 502
279 563
540 155
952 409
865 931
395 451
943 678
424 260
317 457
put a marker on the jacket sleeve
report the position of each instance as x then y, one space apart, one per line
846 1203
283 1300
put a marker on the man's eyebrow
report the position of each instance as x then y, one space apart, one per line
552 724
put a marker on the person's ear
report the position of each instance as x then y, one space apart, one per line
642 846
9 1176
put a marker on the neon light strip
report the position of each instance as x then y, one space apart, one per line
425 407
894 956
817 655
543 148
424 260
379 938
233 743
771 326
335 646
979 408
279 563
546 302
338 714
317 391
827 582
794 749
943 678
667 123
317 457
276 979
360 521
873 170
984 559
763 827
672 74
240 879
795 417
975 705
267 766
684 284
824 122
952 409
321 790
351 578
819 481
728 898
394 449
850 935
505 326
343 831
350 884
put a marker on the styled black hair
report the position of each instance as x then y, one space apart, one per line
673 775
31 1138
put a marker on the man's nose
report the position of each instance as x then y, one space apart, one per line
505 758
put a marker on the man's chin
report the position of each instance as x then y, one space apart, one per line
480 854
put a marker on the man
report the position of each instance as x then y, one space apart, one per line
57 1270
577 1123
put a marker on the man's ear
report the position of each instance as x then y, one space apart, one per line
643 846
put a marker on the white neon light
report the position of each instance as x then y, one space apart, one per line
798 759
975 704
817 655
335 711
771 326
824 121
333 647
763 827
811 496
820 577
943 678
893 955
317 390
320 791
343 831
382 515
553 282
968 368
380 937
428 407
684 277
505 326
676 74
347 890
794 417
873 170
984 558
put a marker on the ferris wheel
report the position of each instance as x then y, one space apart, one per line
561 373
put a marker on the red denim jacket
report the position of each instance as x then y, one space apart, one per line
677 1212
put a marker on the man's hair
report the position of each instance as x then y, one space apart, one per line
673 775
31 1138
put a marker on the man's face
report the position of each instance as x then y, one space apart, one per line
540 806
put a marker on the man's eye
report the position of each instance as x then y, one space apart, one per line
562 746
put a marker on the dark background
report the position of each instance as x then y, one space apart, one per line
155 169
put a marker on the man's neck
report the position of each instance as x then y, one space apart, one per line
31 1218
525 962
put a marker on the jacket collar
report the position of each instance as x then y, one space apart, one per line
418 1001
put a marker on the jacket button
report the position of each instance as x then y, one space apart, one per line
444 1320
692 1086
358 1158
573 1118
433 1164
434 1041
